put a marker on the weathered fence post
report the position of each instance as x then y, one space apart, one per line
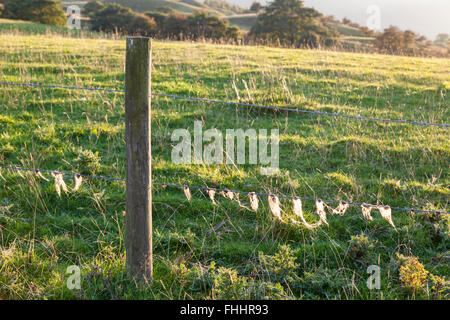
138 229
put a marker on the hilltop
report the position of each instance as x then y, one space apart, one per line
218 7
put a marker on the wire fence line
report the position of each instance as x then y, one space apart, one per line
315 112
180 186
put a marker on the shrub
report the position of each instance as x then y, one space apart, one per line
413 275
394 41
226 284
112 18
141 25
290 23
233 33
159 17
92 7
320 283
87 162
361 248
41 11
204 25
175 25
281 266
439 287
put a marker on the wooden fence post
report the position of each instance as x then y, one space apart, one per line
138 228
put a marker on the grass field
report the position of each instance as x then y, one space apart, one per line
251 255
185 6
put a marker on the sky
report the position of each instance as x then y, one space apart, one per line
426 17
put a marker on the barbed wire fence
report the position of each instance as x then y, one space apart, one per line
146 64
182 186
275 108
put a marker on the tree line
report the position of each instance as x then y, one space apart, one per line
281 23
164 23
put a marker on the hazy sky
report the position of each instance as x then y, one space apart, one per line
427 17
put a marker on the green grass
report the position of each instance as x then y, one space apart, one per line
252 255
347 30
187 6
244 22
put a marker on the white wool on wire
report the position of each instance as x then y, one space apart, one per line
386 213
254 203
366 209
187 193
212 194
274 204
229 195
59 183
320 210
298 210
39 174
341 209
78 182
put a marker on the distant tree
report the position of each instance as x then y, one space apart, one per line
205 25
93 7
290 23
332 18
159 17
421 39
442 40
409 38
256 7
390 41
367 32
112 18
327 19
393 41
141 25
41 11
346 21
175 25
234 33
115 18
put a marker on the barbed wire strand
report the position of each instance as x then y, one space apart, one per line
415 122
214 189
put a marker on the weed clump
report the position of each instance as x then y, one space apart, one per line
280 267
320 283
361 249
418 281
413 275
226 284
88 162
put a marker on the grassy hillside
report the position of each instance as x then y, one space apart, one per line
183 6
30 28
248 255
244 21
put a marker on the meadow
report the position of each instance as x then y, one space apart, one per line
223 251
